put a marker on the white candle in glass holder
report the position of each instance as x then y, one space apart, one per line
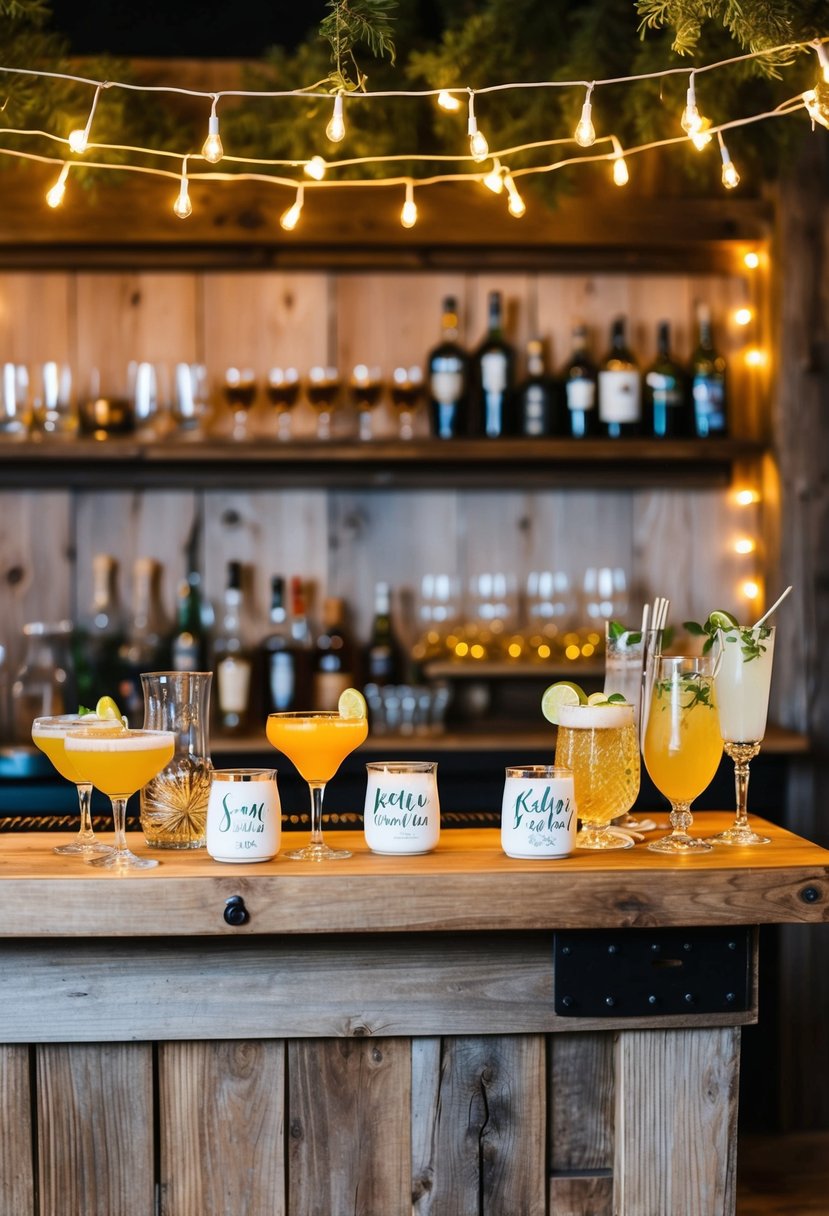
538 812
402 811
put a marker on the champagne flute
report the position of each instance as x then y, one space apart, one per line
316 742
323 389
240 394
743 681
49 734
283 390
682 746
118 762
406 390
365 387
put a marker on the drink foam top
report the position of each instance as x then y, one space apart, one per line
595 717
118 741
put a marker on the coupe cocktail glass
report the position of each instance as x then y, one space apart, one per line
49 734
240 393
599 744
364 388
118 762
743 680
316 742
283 392
323 389
682 746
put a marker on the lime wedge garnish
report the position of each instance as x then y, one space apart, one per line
107 710
597 698
565 692
617 698
722 620
352 705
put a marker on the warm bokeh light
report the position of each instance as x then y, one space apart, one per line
751 260
743 316
745 497
755 357
750 589
744 545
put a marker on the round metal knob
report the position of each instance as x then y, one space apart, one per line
235 912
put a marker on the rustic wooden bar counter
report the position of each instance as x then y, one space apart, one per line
453 1034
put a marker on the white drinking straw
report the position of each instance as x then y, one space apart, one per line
775 605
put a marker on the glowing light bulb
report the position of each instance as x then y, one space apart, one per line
691 121
54 196
478 146
823 59
817 110
335 131
743 316
212 149
701 138
750 588
755 357
315 168
182 207
494 180
408 216
585 133
746 498
447 101
78 140
744 545
620 171
290 218
751 260
516 205
730 176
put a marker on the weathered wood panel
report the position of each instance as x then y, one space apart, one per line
676 1102
16 1166
36 317
221 1123
349 1139
581 1134
95 1129
581 1196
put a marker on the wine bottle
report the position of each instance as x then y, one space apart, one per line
708 382
493 365
95 648
535 398
232 659
579 377
383 655
276 655
333 656
665 412
620 388
144 647
448 366
189 644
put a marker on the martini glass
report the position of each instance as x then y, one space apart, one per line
49 734
316 742
118 762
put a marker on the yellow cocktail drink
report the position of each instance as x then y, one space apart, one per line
598 744
682 743
119 762
316 743
49 734
53 746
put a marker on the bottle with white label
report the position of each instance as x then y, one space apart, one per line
579 377
494 378
620 388
232 658
536 410
448 377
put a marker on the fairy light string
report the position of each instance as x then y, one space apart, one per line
489 166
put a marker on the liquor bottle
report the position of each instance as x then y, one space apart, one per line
579 377
277 661
95 649
383 655
665 410
189 644
144 647
448 366
708 388
334 657
535 398
493 376
232 660
301 649
620 388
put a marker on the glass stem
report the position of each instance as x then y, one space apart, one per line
85 832
681 819
317 789
742 754
119 819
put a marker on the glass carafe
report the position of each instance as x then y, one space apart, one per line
44 685
174 804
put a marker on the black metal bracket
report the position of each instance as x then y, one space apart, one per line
652 972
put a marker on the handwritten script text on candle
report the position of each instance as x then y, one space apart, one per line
548 813
403 801
242 818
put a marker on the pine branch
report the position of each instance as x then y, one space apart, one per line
353 23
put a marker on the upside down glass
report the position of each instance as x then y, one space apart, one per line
682 747
316 742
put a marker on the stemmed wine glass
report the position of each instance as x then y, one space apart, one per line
240 394
283 390
118 762
682 746
365 387
49 734
316 742
323 389
406 390
743 680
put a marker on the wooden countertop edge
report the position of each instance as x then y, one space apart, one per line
467 884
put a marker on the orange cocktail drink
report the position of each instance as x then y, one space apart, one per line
317 743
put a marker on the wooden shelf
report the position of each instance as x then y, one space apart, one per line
379 465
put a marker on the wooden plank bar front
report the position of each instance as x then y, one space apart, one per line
379 1038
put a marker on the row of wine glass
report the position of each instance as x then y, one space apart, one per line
155 399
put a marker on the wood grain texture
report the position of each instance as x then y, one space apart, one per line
581 1133
95 1129
349 1138
581 1196
465 884
16 1164
221 1122
676 1122
479 1127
